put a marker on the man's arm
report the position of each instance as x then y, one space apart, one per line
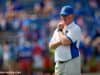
64 40
54 44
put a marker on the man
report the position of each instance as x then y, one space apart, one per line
65 41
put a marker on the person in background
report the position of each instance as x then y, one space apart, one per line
1 57
6 56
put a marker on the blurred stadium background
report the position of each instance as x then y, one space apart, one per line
26 27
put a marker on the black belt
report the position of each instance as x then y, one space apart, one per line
61 62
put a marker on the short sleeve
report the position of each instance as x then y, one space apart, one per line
55 36
73 35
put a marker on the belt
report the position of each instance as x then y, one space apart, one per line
61 62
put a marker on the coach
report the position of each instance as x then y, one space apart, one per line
65 41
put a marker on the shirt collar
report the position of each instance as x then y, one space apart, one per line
70 25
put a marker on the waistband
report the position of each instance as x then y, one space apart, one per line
61 62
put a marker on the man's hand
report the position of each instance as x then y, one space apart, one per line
60 25
64 40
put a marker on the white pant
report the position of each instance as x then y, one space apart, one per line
72 67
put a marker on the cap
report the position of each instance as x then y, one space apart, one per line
66 10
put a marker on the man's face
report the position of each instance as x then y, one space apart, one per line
67 18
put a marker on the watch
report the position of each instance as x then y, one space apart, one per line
60 30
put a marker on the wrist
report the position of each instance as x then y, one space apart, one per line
60 30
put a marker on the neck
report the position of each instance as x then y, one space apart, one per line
69 23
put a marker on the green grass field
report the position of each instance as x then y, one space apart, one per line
92 74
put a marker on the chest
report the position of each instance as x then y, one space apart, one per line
66 31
